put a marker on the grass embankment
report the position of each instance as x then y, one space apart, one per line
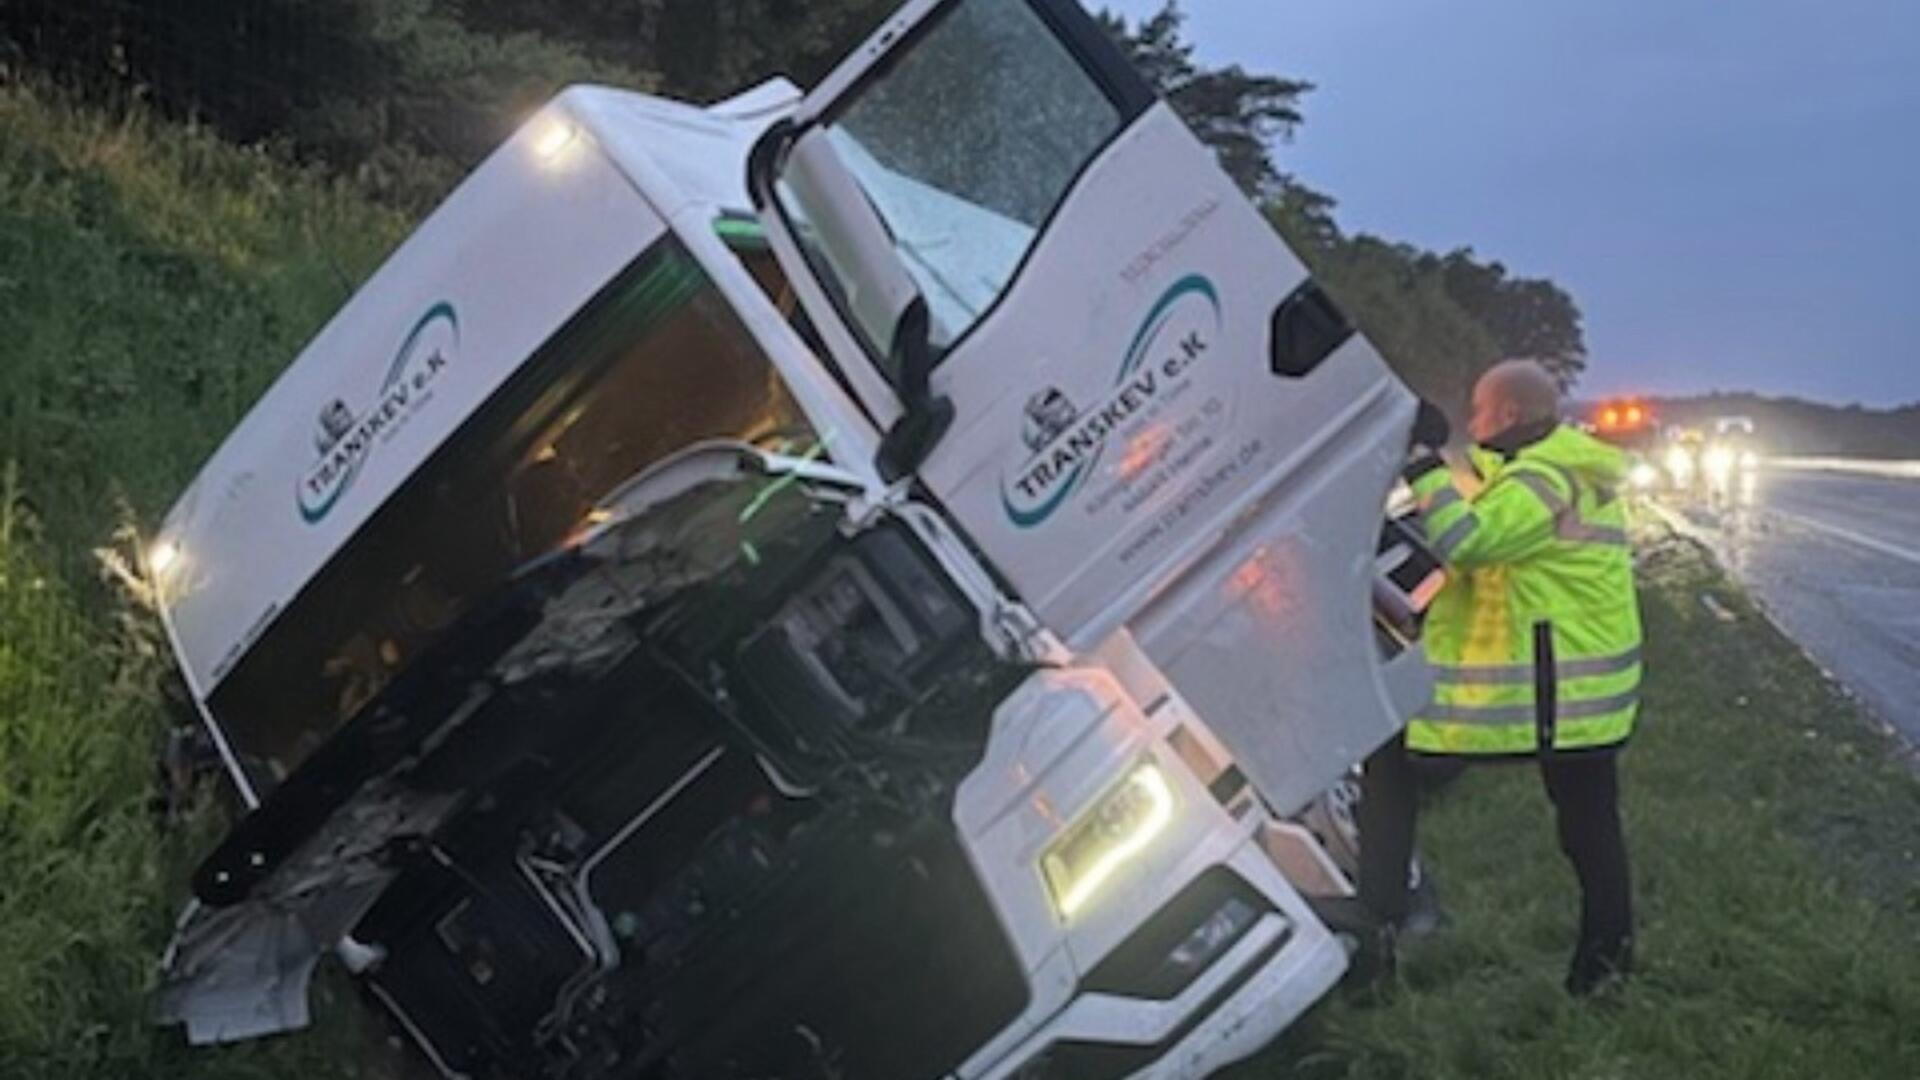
152 282
1775 841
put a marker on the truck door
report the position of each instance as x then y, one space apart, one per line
1095 353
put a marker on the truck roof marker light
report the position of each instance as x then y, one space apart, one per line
554 136
161 556
161 570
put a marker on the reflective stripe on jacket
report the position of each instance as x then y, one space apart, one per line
1535 640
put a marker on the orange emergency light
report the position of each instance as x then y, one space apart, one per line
1623 416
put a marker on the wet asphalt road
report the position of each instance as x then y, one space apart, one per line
1835 557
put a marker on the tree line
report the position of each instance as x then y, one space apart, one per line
403 96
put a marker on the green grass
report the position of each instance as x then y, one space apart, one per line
1775 840
153 281
91 880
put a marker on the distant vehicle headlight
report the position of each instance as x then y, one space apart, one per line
1644 476
1719 462
1749 460
1680 463
1113 832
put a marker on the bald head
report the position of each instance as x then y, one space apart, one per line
1511 393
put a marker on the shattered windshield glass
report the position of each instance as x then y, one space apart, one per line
967 143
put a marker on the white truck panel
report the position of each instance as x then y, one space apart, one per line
1223 513
513 253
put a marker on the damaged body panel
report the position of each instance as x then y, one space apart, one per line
712 739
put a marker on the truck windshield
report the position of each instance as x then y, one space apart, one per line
965 145
657 361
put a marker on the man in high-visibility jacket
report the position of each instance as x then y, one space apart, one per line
1535 646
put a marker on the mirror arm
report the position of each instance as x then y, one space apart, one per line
927 418
856 242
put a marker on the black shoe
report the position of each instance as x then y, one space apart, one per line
1600 967
1425 917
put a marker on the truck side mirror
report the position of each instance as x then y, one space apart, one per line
821 196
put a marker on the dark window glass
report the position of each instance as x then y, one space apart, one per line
656 362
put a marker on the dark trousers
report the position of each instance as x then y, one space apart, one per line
1585 790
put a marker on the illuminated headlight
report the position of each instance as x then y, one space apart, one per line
1119 826
1749 460
1644 476
553 136
1719 461
1680 463
161 556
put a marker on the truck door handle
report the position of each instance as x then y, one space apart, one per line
1307 328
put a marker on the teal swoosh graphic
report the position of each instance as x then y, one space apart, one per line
440 310
316 513
1163 309
1157 316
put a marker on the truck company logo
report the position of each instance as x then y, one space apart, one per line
345 440
1048 414
336 422
1065 445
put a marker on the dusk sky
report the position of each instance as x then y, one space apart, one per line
1729 188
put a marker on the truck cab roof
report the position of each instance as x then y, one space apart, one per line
296 577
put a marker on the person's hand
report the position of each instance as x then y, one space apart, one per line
1430 433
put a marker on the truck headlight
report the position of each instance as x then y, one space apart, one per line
1116 829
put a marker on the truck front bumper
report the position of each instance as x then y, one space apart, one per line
1248 996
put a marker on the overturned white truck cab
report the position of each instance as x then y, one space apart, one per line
843 586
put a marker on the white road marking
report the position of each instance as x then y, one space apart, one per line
1902 470
1868 542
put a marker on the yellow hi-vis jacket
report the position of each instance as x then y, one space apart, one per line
1535 639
